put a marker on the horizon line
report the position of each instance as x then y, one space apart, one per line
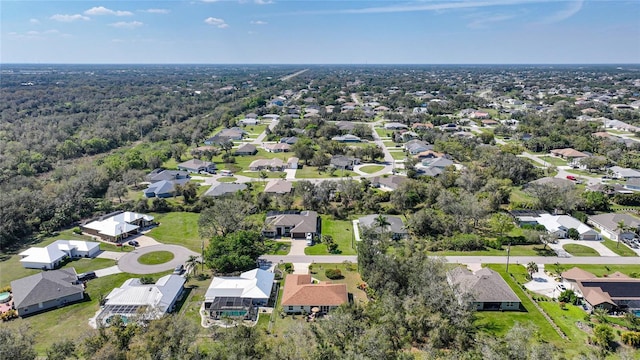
306 64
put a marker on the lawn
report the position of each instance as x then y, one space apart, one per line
619 248
580 250
244 161
598 270
269 174
71 322
516 250
398 155
311 172
500 322
383 133
156 257
520 196
351 278
255 130
342 233
180 228
553 160
227 179
370 169
277 247
566 319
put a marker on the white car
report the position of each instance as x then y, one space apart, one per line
561 287
309 239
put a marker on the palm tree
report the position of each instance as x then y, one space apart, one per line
601 315
381 221
193 262
621 228
532 268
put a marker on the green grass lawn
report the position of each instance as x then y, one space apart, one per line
83 265
243 162
180 228
277 247
553 160
156 257
255 130
311 172
398 155
619 248
340 230
227 179
370 169
516 250
270 174
500 322
580 250
72 321
351 278
383 133
566 319
597 270
520 196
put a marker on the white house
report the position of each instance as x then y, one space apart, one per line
560 225
133 298
50 256
608 225
238 296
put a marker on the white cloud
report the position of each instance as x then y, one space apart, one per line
69 18
263 2
258 22
210 1
157 11
37 35
484 20
573 8
126 25
101 10
219 23
34 21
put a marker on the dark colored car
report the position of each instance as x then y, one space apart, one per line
86 276
133 243
178 270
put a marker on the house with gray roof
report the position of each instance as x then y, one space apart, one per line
196 166
395 227
296 224
163 189
246 149
433 166
346 138
624 173
166 175
632 184
344 162
278 186
395 126
485 288
608 225
46 290
222 189
388 183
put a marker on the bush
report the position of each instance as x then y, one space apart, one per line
147 280
333 274
5 289
9 315
288 267
631 338
568 296
76 230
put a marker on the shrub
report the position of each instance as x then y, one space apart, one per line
9 315
5 289
76 230
333 274
568 296
288 267
147 280
631 338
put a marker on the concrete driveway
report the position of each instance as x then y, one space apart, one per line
297 247
129 262
544 284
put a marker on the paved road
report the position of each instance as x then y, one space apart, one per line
129 262
611 260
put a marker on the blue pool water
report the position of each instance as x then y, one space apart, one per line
5 297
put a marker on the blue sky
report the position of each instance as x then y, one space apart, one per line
321 32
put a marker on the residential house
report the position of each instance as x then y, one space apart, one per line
296 224
346 138
489 122
608 224
624 173
614 292
301 295
271 116
277 148
388 182
222 189
238 296
430 154
292 163
345 126
278 186
572 156
632 184
163 189
246 149
557 182
166 175
249 121
197 165
274 164
147 301
433 166
289 140
449 127
225 135
560 225
480 115
417 146
421 126
485 288
118 225
46 290
52 255
251 116
395 126
526 217
395 228
344 162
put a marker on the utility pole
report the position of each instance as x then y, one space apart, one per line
508 252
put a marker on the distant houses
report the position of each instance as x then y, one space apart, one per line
223 189
52 255
246 149
197 166
117 226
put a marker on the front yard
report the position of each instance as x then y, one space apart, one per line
342 233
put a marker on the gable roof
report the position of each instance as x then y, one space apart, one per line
569 153
45 286
56 251
195 164
159 295
160 174
575 273
484 285
164 186
278 186
299 291
555 223
302 222
253 284
610 221
246 148
224 188
391 181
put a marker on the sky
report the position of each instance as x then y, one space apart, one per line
321 32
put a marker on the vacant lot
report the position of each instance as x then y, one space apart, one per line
342 233
179 228
580 250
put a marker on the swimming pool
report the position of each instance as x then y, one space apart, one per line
125 320
5 297
636 313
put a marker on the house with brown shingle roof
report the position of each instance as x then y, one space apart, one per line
485 288
614 292
302 295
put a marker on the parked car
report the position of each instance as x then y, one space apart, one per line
571 177
133 243
86 276
561 287
178 270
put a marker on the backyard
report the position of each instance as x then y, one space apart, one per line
342 233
